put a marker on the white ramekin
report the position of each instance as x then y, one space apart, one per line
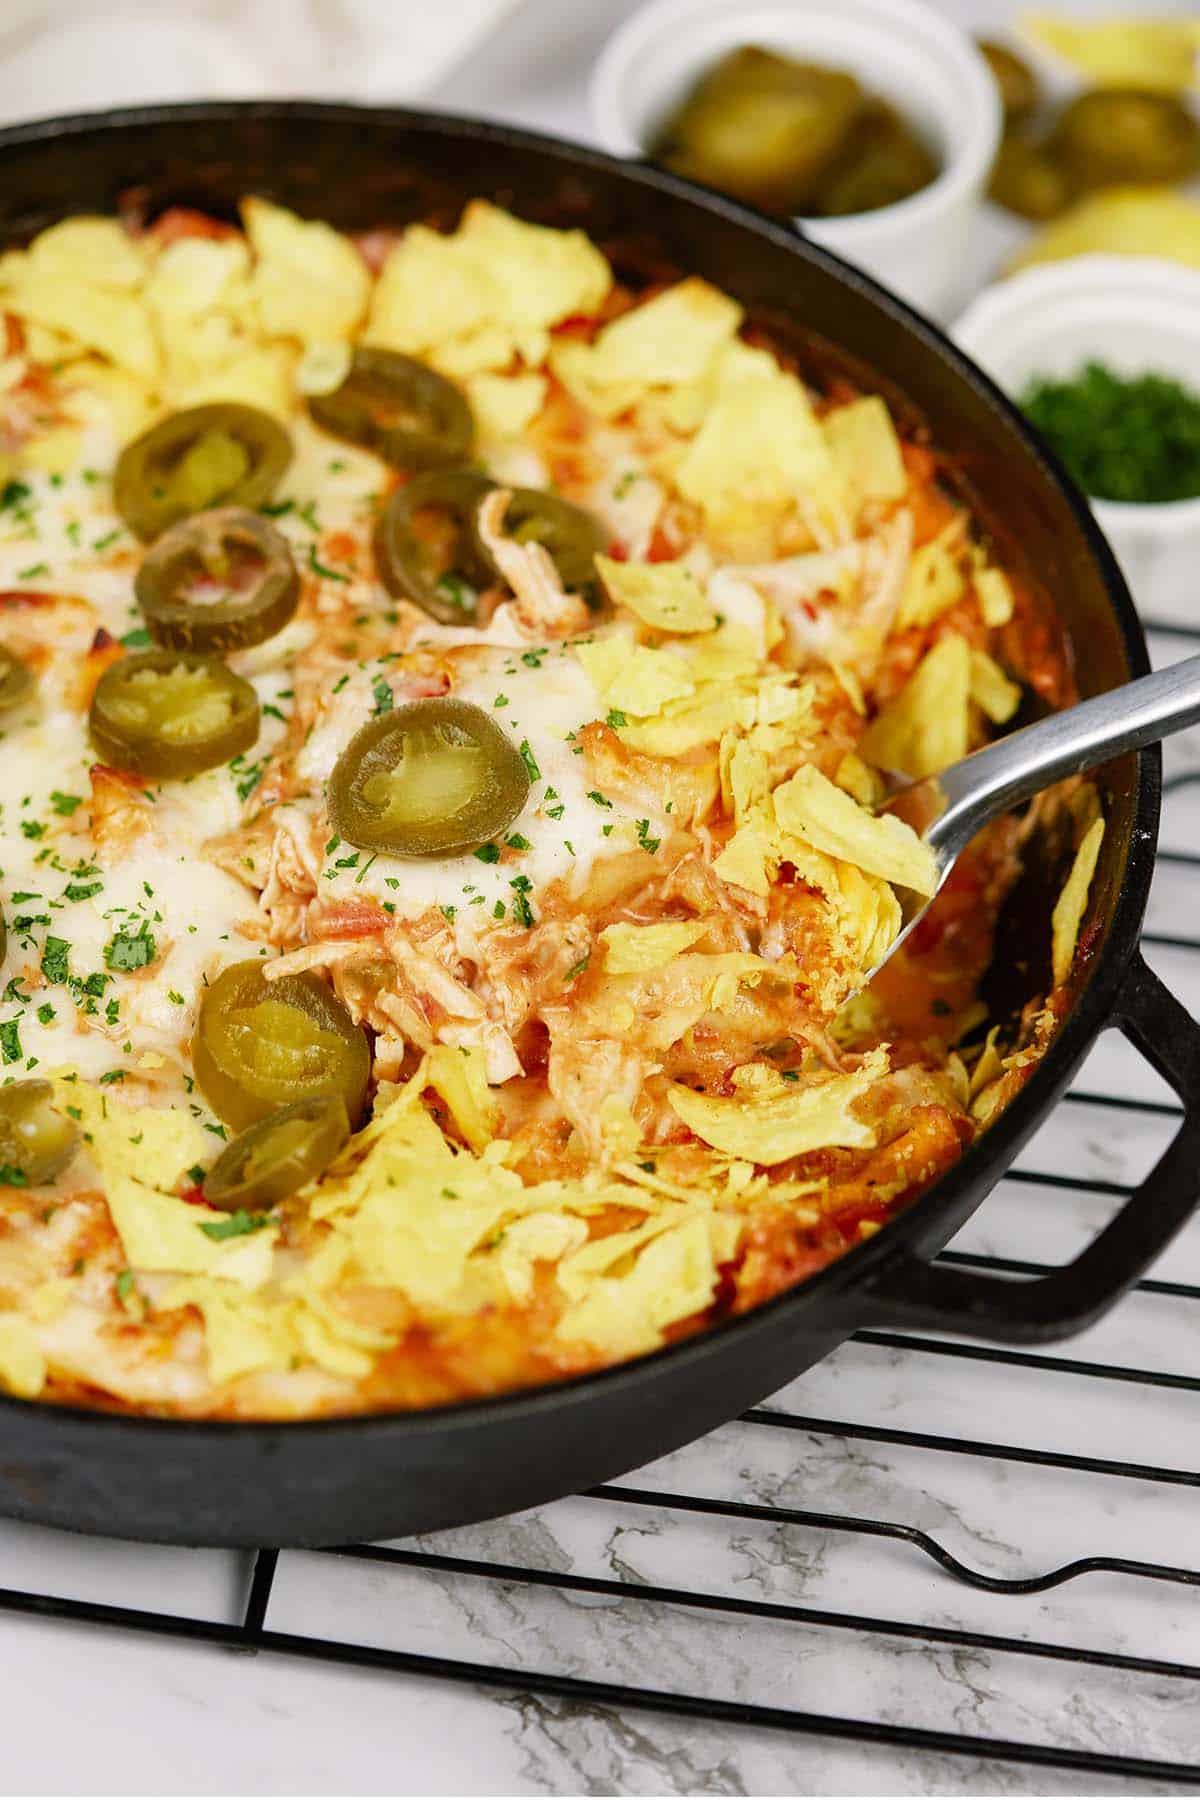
903 50
1139 315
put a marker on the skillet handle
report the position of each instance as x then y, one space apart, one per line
914 1293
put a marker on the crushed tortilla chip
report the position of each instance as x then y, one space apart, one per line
993 590
769 1119
811 807
309 281
664 595
759 452
1072 902
632 949
22 1364
110 320
672 1277
925 727
459 1076
486 292
935 581
991 690
670 339
632 678
865 448
96 252
504 405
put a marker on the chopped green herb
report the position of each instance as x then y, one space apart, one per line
517 842
385 700
32 828
616 718
56 965
111 1075
33 571
238 1224
131 950
323 569
577 969
488 853
45 1013
82 890
1133 439
65 804
648 843
124 1284
137 639
529 759
599 799
10 1041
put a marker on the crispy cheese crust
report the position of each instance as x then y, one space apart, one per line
625 1080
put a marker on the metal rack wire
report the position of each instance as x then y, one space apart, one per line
274 1617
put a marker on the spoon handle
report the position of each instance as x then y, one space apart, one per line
1017 767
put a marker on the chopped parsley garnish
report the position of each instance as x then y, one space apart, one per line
131 950
65 804
10 1041
45 1013
246 776
533 658
137 639
578 968
110 537
599 799
110 1076
82 890
124 1284
521 885
10 1177
34 570
488 853
238 1224
529 759
323 569
517 842
32 828
648 843
447 912
340 683
616 718
56 966
13 493
385 700
275 509
499 910
500 700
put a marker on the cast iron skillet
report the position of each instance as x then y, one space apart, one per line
388 1475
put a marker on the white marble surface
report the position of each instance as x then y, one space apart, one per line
99 1711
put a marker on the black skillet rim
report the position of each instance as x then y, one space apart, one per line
988 1157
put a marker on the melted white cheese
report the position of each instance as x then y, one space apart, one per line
546 700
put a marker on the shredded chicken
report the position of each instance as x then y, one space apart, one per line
541 607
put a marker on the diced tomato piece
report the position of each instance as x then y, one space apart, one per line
187 222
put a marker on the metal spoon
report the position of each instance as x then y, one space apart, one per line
949 809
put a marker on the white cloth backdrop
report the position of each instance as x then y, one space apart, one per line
70 55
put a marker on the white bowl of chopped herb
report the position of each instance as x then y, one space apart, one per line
1103 355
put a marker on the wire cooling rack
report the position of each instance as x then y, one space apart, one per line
922 1544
